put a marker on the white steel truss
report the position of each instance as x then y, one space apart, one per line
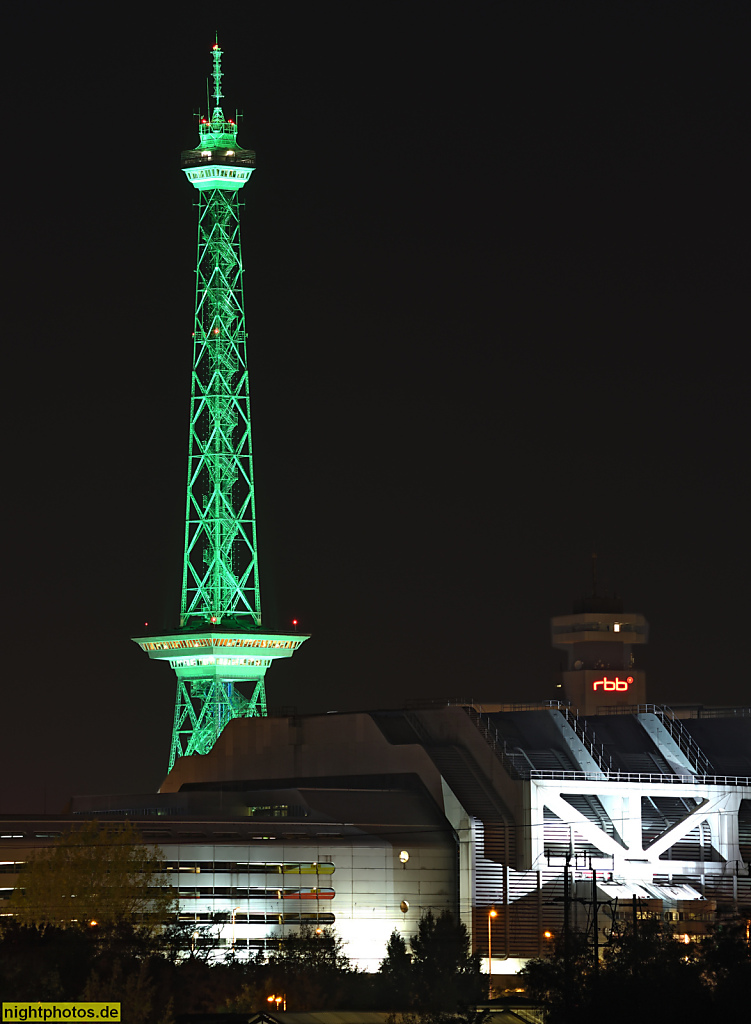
619 836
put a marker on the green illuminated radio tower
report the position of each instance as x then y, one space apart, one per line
221 642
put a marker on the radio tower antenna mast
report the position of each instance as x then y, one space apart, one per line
221 648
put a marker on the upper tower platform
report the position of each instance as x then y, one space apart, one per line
218 161
238 656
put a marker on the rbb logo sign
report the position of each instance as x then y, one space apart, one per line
613 684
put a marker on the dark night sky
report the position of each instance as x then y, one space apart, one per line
497 282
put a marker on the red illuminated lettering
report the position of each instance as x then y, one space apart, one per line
613 684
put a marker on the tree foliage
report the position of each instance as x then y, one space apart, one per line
645 975
98 877
440 974
43 963
310 966
311 949
396 970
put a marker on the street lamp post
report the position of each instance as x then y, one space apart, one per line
493 913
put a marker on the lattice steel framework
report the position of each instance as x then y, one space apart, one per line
202 709
221 643
220 568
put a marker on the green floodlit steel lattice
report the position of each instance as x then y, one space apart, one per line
202 709
220 569
221 643
220 565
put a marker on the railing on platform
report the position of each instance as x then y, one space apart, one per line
682 737
672 724
682 711
650 778
518 764
702 712
579 728
518 767
494 741
416 704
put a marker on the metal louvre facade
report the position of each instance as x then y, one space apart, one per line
527 903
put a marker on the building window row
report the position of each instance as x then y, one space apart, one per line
252 867
195 662
175 645
255 893
261 918
32 835
217 172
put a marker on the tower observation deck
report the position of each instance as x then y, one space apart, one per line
221 641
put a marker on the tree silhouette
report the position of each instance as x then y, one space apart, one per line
309 965
95 877
645 975
396 972
440 975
